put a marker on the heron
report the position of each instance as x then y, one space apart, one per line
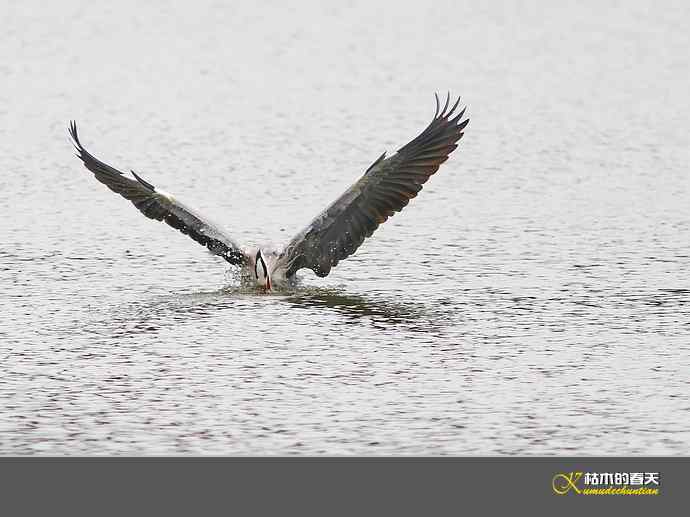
384 189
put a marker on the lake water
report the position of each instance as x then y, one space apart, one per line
534 299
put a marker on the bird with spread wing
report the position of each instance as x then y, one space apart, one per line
336 233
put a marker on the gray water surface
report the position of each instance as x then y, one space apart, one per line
534 299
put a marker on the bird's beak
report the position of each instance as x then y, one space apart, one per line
268 283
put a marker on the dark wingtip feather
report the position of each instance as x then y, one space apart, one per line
459 115
74 134
452 110
143 182
443 113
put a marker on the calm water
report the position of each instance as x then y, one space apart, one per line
535 299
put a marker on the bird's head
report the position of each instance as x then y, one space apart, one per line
261 271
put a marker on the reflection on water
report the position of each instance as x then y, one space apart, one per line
357 306
534 299
151 314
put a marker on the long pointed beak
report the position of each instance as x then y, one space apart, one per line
268 283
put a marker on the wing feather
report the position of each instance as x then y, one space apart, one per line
160 206
385 188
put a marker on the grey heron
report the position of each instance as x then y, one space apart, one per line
385 188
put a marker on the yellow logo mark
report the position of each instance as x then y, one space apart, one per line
564 483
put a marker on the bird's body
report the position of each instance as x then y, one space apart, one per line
275 273
385 188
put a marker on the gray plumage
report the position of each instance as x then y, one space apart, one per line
160 206
385 188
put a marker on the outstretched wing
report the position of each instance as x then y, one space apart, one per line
385 188
156 204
